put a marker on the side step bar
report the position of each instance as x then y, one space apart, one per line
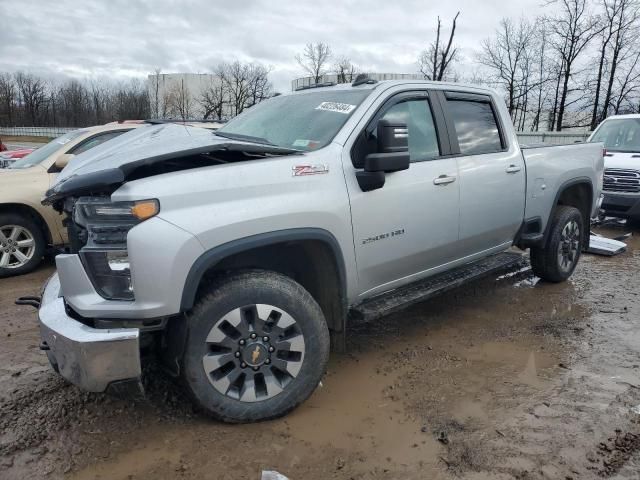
421 290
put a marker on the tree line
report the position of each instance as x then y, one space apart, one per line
570 67
30 100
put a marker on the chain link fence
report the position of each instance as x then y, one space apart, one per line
51 132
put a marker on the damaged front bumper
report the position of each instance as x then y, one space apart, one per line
95 360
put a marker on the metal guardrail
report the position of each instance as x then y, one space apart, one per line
34 131
552 138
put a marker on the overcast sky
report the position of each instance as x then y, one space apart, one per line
125 38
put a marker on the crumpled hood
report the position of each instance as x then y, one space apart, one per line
111 162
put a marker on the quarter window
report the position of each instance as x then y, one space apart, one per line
476 127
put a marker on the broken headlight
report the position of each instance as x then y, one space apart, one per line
104 255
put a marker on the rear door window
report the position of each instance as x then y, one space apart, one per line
476 126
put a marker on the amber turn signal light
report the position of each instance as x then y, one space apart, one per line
145 209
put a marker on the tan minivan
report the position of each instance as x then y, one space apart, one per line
27 228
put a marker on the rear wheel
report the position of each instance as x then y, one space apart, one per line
257 346
22 244
557 260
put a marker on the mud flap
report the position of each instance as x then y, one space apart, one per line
173 343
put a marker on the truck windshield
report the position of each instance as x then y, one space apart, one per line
306 121
44 152
619 135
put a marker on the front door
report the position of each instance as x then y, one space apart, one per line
409 227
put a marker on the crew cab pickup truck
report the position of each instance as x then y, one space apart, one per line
238 256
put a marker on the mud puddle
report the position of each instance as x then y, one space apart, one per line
503 379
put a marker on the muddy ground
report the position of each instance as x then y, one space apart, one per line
508 378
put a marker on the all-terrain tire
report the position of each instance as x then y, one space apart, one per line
555 262
28 231
246 293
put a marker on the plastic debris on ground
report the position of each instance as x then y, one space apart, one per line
272 475
605 246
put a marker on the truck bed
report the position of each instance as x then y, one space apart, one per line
550 168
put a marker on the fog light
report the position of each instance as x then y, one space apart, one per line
109 273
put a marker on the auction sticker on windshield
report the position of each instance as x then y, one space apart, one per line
345 108
303 143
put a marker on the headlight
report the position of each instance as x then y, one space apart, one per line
105 255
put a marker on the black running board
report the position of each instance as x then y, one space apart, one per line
400 298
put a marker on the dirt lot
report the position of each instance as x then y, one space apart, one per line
509 378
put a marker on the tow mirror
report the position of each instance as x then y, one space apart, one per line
392 155
393 137
63 160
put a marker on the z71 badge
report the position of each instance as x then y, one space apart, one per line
302 170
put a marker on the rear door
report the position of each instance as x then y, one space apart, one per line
492 173
408 227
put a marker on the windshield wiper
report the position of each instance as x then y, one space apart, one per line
246 138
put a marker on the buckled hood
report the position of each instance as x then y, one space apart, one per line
112 162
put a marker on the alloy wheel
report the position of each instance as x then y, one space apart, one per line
253 352
569 246
17 246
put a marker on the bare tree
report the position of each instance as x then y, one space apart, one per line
627 85
180 101
235 77
8 94
436 61
154 81
212 99
573 29
32 91
314 59
259 86
543 71
622 45
507 57
345 70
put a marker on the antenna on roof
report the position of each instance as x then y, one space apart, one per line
362 79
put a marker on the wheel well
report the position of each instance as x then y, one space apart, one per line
580 196
311 263
29 212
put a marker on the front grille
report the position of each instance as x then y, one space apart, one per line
621 180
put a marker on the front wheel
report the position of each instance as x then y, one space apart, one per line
257 346
22 244
556 261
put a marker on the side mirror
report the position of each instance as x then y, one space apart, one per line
393 137
392 155
63 160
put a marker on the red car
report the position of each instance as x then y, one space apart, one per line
15 154
7 157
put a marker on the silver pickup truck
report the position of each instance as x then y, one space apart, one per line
238 256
